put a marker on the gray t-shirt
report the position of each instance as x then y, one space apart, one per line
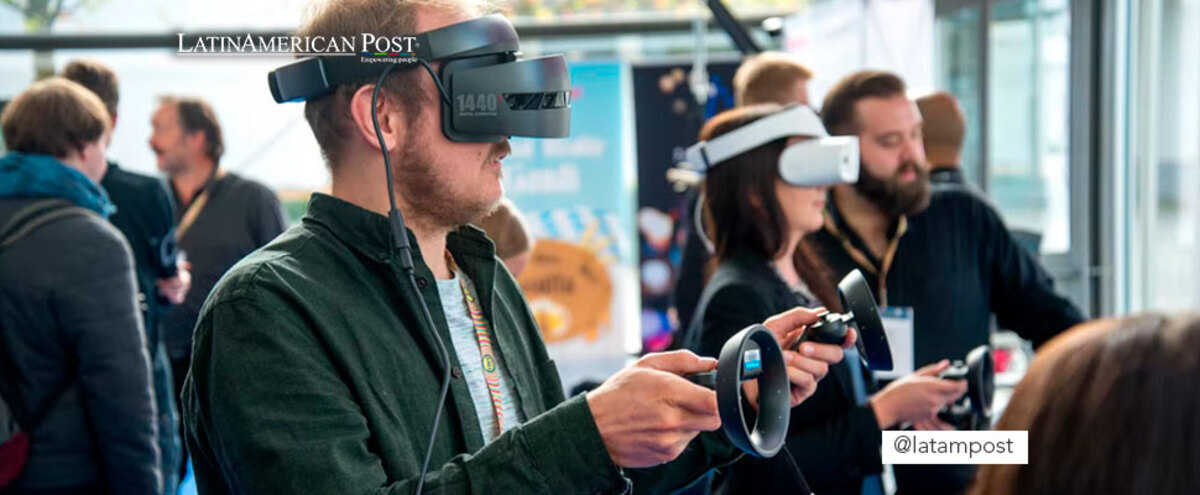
462 336
240 216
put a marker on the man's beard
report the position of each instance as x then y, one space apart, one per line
171 167
894 197
430 194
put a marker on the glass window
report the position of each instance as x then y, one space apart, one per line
1164 164
1026 170
958 55
1027 166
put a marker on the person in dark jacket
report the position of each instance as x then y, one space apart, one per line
942 254
72 337
220 216
770 77
146 218
764 265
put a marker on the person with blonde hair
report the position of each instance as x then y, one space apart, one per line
771 77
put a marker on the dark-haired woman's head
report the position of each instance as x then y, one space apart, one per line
750 206
1111 406
749 209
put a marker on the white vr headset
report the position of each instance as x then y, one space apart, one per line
822 161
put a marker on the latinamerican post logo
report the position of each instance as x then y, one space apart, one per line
372 48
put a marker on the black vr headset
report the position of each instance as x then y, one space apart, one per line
488 91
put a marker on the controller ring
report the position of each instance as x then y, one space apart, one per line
774 392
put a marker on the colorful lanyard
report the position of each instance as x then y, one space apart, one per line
491 373
862 259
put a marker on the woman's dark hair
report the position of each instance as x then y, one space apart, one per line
1111 407
741 211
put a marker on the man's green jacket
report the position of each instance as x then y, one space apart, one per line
315 372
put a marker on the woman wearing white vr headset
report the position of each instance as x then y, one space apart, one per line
766 171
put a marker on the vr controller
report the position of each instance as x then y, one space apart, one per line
752 354
755 354
863 315
972 411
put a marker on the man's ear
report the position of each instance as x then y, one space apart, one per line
89 150
195 142
391 119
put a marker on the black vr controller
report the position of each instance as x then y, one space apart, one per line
972 411
752 354
861 314
755 354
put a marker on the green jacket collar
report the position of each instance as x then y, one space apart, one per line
368 232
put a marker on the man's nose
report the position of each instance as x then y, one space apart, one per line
914 150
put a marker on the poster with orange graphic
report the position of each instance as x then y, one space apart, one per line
577 197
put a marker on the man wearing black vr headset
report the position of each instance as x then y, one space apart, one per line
316 365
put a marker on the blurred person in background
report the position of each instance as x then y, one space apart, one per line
76 372
1110 407
145 217
770 77
221 216
508 231
941 258
943 129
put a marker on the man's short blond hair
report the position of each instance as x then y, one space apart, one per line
329 116
55 117
768 77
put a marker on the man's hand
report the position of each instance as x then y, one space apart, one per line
932 424
647 413
806 367
917 398
176 288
